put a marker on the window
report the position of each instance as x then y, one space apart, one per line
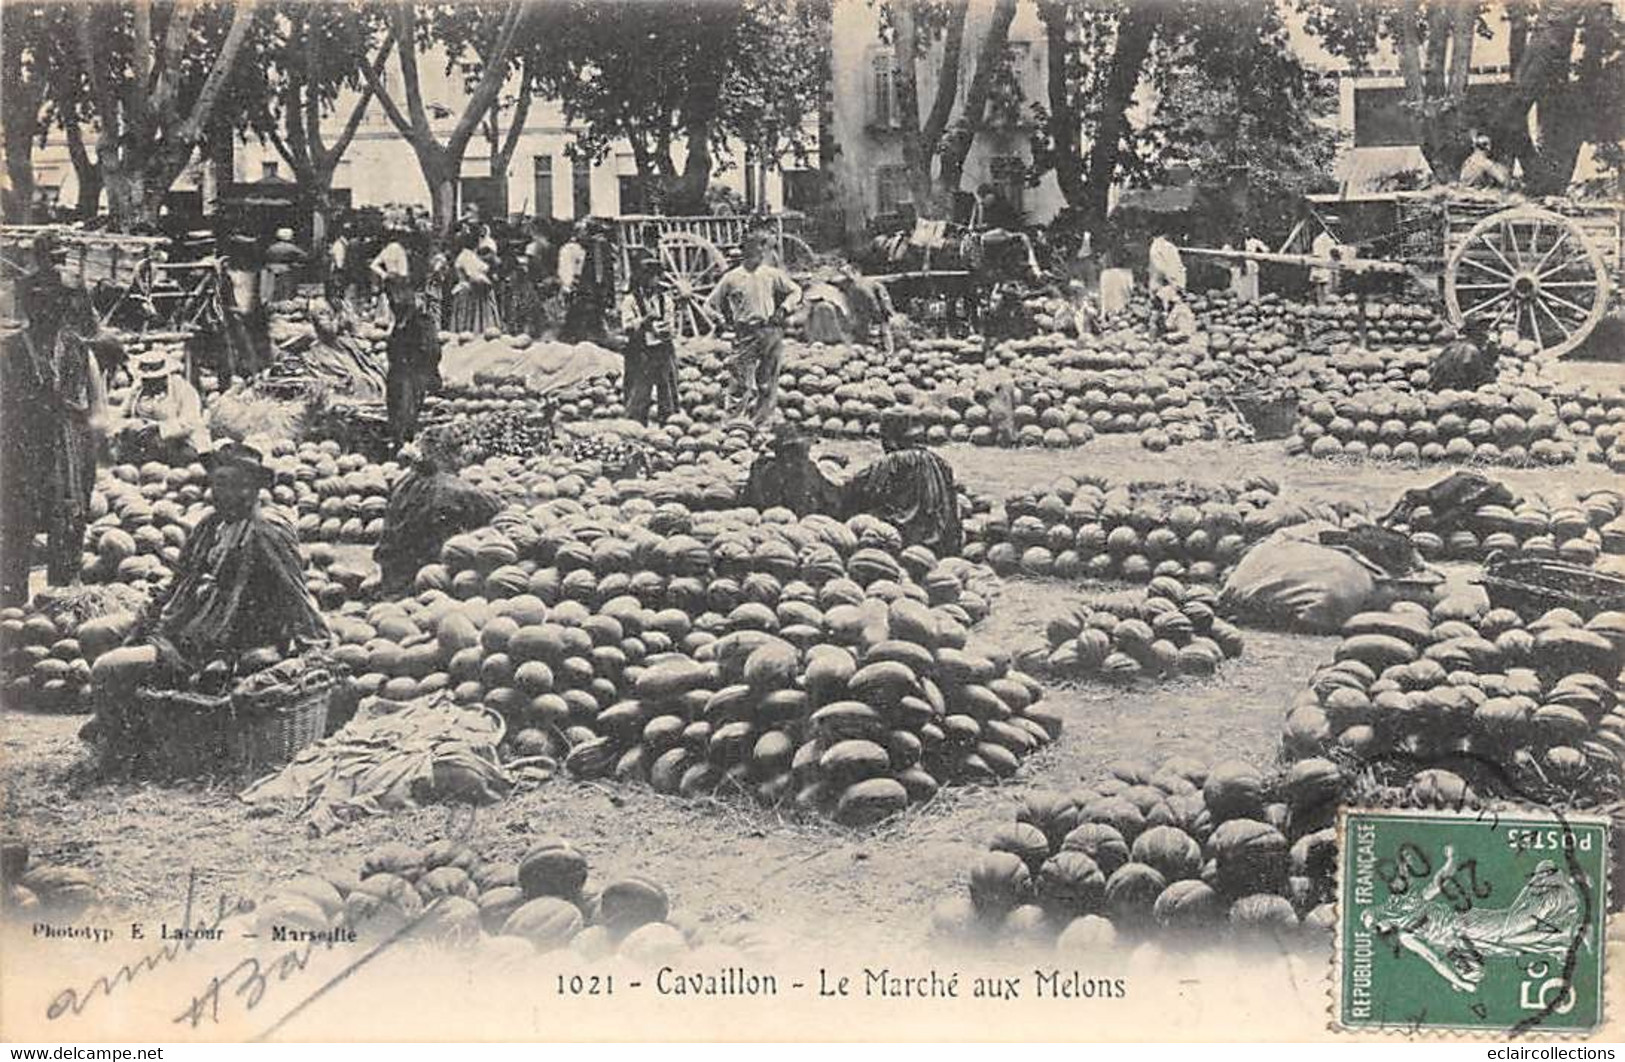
1009 175
580 188
268 171
891 189
542 187
803 190
883 94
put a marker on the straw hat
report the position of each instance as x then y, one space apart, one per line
154 364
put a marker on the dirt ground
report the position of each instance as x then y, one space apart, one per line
724 863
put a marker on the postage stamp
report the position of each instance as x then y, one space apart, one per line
1473 921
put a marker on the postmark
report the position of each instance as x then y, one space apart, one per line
1473 921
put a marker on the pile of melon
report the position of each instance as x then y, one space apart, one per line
1493 425
444 894
1388 323
1178 854
36 890
1596 417
807 660
1575 532
1510 706
1063 391
1092 530
339 497
45 664
1169 630
140 520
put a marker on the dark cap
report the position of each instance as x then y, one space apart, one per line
240 456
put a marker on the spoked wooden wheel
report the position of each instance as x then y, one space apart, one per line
694 265
1531 272
796 254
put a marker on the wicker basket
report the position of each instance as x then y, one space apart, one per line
181 734
1531 586
1271 416
270 731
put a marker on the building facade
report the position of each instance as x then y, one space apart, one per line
869 176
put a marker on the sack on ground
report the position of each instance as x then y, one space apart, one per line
1291 581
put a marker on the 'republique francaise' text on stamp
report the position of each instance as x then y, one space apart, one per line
1473 921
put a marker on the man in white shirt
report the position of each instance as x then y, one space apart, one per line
755 298
1323 279
586 283
1167 266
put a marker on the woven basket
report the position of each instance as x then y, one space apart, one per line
1270 416
270 731
178 733
1530 587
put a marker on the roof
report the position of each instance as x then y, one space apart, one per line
1364 170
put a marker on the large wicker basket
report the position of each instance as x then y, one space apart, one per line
1531 586
177 733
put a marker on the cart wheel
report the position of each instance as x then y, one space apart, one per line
796 254
695 265
1531 271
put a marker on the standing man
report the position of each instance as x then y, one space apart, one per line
1323 279
540 266
871 307
392 267
284 259
755 298
586 282
647 316
1165 264
53 413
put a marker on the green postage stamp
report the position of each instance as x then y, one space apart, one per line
1471 921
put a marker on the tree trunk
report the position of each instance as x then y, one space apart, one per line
1541 74
87 170
905 45
1135 31
319 194
1065 157
19 204
686 193
955 149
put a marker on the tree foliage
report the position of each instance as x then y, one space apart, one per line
300 60
687 74
483 40
1567 74
1222 87
155 72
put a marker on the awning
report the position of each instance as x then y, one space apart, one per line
1365 170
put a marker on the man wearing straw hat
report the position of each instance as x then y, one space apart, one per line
162 418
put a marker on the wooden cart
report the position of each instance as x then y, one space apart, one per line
132 282
1545 270
694 251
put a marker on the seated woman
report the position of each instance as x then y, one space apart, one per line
426 507
911 487
162 417
239 585
786 476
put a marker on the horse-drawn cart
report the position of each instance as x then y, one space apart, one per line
1545 270
694 251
